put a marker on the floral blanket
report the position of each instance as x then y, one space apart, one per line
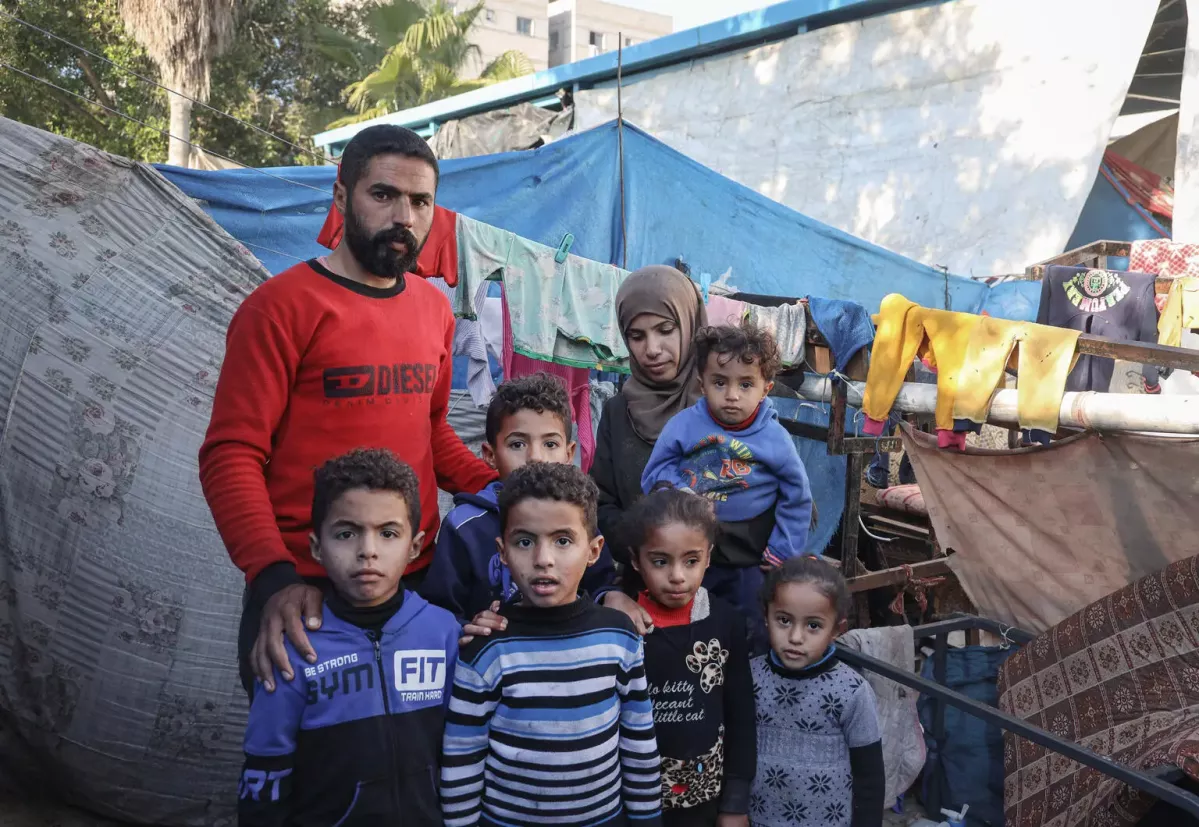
1120 677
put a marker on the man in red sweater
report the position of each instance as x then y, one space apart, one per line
330 355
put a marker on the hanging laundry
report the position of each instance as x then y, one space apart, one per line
562 312
1117 305
846 326
470 342
723 310
1043 361
1165 258
788 324
576 380
601 392
907 330
1180 313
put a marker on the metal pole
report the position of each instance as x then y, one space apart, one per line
624 233
1101 411
1151 781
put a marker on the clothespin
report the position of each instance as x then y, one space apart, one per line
705 281
564 248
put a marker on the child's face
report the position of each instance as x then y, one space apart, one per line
733 389
365 544
547 549
802 623
528 436
672 562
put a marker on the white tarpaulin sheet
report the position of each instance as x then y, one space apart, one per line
965 135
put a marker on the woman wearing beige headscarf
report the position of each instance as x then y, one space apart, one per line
659 311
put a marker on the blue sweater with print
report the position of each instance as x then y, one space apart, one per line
466 574
355 738
744 473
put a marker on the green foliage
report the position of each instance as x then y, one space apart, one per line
294 67
95 25
432 48
275 75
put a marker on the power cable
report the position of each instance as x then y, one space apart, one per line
47 33
118 113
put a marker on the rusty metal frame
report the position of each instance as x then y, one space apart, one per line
1155 781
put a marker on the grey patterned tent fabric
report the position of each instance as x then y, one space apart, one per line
118 604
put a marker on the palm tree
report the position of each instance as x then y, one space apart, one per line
183 37
431 49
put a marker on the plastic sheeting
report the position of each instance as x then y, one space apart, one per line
1108 215
965 134
1039 533
523 126
1186 162
118 603
674 207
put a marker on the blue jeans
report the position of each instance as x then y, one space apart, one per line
743 588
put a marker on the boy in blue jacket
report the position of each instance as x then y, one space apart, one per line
528 420
730 448
355 739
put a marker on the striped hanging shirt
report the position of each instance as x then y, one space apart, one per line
550 722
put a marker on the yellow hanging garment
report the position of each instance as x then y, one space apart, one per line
1045 358
906 329
1180 313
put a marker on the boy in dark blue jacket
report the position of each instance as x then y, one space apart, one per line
528 420
355 739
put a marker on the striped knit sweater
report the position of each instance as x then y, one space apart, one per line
550 723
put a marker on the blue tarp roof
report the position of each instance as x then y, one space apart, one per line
675 207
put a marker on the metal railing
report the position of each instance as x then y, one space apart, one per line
1156 782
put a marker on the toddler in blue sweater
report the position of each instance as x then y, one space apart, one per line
730 447
528 421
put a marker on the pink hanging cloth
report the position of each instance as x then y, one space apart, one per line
575 379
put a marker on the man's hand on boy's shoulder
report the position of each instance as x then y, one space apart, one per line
623 603
483 624
732 820
285 614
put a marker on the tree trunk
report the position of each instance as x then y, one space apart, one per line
181 130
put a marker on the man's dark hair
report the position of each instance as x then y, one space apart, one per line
550 481
815 572
746 342
539 392
369 469
383 140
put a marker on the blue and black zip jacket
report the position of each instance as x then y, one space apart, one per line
467 576
355 738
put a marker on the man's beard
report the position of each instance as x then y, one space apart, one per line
374 252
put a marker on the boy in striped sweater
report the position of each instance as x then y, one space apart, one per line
550 721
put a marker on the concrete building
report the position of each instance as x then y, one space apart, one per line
561 31
580 29
506 25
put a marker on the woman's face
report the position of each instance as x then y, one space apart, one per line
655 343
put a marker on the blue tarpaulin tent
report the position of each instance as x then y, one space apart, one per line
674 208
